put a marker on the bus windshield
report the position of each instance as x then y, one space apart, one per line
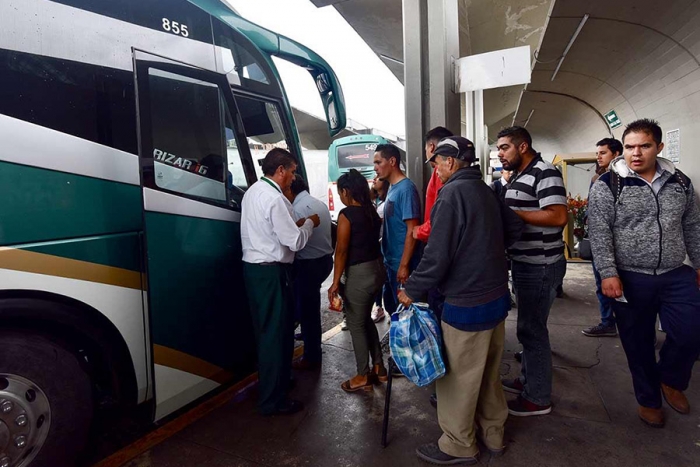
356 156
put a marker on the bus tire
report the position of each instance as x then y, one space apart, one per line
43 381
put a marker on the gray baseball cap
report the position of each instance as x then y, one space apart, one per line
457 147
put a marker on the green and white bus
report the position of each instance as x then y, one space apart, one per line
126 133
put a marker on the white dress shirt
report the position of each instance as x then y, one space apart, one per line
268 231
320 243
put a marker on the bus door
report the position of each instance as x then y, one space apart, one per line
193 180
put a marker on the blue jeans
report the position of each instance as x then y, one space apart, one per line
607 318
391 302
675 297
536 288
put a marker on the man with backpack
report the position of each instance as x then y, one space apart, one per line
607 149
643 221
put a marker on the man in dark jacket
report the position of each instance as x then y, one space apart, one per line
465 259
643 220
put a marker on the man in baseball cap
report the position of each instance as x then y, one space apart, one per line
465 259
453 154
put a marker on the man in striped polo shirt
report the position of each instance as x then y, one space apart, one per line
536 193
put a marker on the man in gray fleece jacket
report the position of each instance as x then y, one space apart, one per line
643 221
465 259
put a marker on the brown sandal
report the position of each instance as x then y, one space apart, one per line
348 387
380 374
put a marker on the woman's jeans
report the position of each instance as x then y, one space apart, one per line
363 282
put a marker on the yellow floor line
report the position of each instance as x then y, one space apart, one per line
331 333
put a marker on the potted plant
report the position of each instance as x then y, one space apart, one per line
578 208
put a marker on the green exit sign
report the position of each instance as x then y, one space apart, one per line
612 119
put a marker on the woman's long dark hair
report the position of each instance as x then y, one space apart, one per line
358 188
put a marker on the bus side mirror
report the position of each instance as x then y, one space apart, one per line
325 89
323 83
331 114
329 97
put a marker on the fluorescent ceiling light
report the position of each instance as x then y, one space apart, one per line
571 42
528 118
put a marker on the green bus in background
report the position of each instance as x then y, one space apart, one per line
351 152
126 131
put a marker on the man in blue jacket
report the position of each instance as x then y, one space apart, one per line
643 221
465 259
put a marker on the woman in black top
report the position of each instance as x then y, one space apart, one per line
358 256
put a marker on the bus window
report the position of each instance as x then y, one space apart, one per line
237 64
193 138
91 102
356 156
235 61
236 172
236 182
263 127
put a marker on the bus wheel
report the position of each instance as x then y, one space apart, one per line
45 402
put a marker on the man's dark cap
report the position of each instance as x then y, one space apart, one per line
456 147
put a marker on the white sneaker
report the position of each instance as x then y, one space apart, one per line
378 314
344 324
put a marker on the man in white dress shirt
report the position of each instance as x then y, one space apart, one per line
270 237
312 265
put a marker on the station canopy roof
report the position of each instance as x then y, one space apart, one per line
632 56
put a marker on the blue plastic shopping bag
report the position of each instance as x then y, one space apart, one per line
416 344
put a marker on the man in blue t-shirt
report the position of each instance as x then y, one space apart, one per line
401 215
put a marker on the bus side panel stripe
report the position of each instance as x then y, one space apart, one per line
159 201
121 250
181 361
39 263
37 146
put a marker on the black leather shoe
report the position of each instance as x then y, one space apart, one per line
287 407
433 400
518 356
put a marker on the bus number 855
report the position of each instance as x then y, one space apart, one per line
175 27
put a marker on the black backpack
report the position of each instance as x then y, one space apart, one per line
616 186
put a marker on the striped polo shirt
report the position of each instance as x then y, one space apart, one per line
536 187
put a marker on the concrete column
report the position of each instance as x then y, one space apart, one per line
415 85
475 129
431 45
480 140
469 116
443 45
